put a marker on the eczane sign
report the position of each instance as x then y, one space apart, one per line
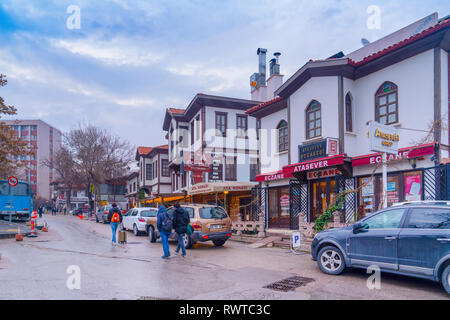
383 138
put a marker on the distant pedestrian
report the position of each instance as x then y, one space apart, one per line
180 222
65 210
164 223
40 210
114 218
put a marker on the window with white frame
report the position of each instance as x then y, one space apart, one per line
313 120
386 104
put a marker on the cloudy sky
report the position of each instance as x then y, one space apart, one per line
131 59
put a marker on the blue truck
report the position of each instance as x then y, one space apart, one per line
16 203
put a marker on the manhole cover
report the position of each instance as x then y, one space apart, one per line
289 284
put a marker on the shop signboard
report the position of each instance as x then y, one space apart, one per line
383 138
216 173
325 148
273 176
312 151
320 174
314 164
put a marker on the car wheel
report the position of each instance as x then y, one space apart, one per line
151 234
188 243
135 230
331 260
445 279
219 243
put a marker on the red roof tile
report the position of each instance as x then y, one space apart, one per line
144 150
402 43
263 105
176 111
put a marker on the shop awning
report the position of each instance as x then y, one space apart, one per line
272 176
314 164
212 187
403 154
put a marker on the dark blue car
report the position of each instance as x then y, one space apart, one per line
410 239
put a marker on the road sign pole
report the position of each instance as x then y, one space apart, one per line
11 205
385 204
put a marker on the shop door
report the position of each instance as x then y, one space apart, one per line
323 193
279 208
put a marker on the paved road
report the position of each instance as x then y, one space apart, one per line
36 269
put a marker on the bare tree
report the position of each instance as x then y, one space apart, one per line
66 169
11 146
98 155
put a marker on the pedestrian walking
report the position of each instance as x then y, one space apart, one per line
164 223
40 210
181 221
114 218
65 210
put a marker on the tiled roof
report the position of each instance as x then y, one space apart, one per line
263 105
144 150
402 43
176 111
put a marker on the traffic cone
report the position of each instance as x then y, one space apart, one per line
19 236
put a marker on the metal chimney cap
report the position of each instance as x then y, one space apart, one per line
277 54
261 50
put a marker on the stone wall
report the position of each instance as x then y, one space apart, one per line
307 228
255 228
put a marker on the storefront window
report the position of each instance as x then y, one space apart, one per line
401 186
367 195
279 215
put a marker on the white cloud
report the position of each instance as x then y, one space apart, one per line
117 51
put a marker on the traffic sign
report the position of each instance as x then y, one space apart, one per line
296 241
13 181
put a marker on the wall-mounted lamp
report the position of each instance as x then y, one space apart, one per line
413 162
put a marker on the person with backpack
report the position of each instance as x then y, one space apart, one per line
114 217
181 221
164 223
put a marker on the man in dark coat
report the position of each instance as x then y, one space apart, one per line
180 222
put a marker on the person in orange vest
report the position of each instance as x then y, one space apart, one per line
114 218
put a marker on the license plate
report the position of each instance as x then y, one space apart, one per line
215 226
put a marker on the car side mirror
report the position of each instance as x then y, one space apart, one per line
360 227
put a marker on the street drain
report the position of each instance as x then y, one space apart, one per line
289 284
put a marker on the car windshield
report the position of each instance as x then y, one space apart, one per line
212 213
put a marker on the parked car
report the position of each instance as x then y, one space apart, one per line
210 223
102 214
136 219
410 238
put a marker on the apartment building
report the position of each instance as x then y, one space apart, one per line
47 141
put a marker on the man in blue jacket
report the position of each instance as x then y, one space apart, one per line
164 224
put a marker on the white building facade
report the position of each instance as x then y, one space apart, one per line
153 176
213 146
314 140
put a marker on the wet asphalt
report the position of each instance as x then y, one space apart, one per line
38 269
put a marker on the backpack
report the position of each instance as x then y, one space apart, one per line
167 223
115 217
